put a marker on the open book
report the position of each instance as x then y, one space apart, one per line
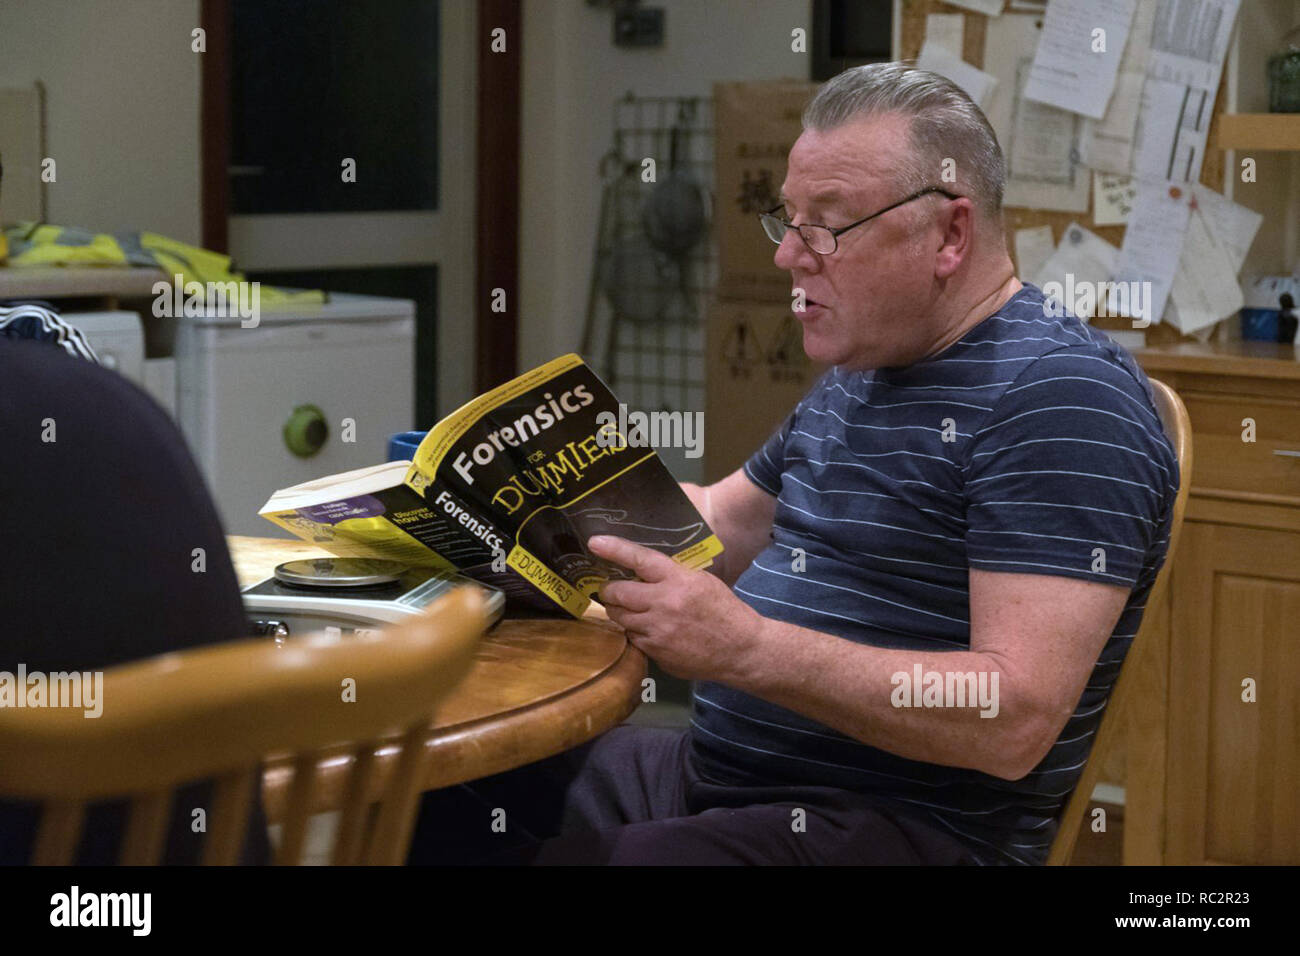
507 489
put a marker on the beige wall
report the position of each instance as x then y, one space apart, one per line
572 75
122 107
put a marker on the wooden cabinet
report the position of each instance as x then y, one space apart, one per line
1233 781
1211 777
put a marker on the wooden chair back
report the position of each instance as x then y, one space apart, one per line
1178 428
218 711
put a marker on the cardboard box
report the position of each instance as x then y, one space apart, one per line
756 372
755 124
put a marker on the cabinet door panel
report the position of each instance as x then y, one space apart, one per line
1233 788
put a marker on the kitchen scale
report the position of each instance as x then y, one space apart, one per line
350 595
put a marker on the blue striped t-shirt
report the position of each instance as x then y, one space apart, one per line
1023 447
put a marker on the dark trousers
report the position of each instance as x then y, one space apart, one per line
632 796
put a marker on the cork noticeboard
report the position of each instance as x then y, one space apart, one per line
912 35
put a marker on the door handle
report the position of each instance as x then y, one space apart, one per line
1286 453
245 170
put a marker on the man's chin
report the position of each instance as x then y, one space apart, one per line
825 351
819 349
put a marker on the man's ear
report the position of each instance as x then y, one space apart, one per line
958 224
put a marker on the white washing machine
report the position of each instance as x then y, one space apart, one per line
276 404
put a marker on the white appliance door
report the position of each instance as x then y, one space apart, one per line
340 387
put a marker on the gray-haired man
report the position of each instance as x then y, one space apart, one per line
933 569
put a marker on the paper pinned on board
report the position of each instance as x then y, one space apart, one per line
977 84
1190 41
1078 275
1233 225
1082 259
1112 199
1205 288
1153 241
1040 142
946 30
1078 55
1170 140
1107 144
1201 287
1033 248
990 8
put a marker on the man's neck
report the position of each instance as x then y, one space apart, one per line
988 303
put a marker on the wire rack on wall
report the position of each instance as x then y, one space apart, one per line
656 260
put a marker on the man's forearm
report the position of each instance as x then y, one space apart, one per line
852 688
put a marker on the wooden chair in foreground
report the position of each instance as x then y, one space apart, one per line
1178 428
216 712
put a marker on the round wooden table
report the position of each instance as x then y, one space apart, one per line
538 686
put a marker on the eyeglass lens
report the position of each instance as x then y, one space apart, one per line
819 238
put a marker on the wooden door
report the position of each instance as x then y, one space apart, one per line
1233 785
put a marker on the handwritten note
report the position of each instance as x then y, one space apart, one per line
1112 199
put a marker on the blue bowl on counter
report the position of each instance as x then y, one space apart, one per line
402 446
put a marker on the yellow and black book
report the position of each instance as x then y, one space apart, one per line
508 488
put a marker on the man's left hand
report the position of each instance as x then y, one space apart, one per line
688 621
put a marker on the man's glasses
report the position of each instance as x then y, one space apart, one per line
824 240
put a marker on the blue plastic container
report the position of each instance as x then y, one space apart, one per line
1259 325
401 447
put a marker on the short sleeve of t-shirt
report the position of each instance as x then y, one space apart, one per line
1070 473
765 466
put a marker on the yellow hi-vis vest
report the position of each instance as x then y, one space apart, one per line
39 244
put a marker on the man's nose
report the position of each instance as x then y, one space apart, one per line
793 253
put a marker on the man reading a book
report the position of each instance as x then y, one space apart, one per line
933 569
